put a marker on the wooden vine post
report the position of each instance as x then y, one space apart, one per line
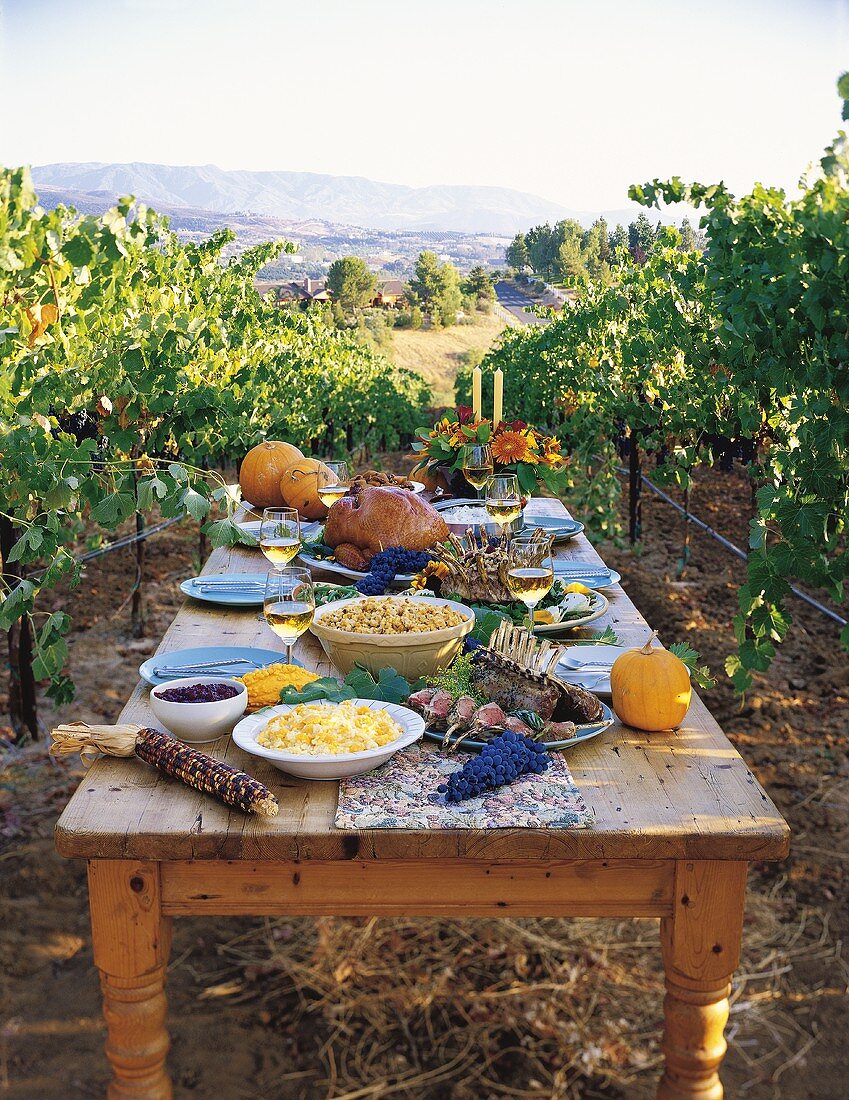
635 489
23 708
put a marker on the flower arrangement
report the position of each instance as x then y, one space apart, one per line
516 448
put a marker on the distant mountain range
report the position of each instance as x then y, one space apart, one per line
302 196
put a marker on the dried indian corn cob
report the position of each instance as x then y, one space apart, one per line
194 768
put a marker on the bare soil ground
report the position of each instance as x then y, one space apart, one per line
435 353
430 1009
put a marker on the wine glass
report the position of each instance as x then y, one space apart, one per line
329 494
530 571
289 604
503 500
280 535
476 460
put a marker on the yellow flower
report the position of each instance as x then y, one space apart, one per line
436 569
509 447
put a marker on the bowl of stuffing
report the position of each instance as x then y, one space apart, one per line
326 740
416 635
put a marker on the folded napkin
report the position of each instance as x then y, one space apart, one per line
402 795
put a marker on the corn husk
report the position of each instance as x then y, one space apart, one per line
93 741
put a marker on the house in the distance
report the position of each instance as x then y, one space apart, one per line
390 294
300 292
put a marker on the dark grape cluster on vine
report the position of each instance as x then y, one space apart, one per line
501 761
386 565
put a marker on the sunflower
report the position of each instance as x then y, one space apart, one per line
434 570
509 447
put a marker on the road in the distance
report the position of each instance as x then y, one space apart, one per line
516 303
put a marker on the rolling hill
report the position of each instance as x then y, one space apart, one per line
298 196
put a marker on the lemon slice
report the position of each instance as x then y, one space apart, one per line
576 586
545 615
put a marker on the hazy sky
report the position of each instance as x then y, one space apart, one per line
570 99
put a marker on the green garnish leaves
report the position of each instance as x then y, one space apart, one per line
390 687
456 679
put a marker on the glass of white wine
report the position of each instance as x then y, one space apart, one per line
329 494
477 465
503 500
289 604
530 571
280 535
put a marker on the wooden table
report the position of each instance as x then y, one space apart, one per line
678 816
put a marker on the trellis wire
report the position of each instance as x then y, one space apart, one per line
730 546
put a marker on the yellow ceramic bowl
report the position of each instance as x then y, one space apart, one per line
413 654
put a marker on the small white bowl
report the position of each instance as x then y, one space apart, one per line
197 723
337 765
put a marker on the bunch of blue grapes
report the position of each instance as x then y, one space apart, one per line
501 761
386 564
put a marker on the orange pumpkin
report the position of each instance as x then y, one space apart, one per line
261 470
300 483
650 688
429 480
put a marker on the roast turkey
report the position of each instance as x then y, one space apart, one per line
369 520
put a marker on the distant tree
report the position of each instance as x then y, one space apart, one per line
338 314
435 288
618 239
450 296
478 285
351 282
641 236
517 253
416 318
426 283
570 260
688 237
595 251
538 241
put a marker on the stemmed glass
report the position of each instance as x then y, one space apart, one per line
503 501
530 571
329 494
280 535
289 604
477 465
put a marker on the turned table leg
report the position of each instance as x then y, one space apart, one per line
701 950
131 941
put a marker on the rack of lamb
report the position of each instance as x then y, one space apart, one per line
360 525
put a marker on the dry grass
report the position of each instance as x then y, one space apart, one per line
428 1009
436 354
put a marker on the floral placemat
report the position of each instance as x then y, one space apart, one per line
402 795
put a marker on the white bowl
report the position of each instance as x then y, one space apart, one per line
198 723
336 765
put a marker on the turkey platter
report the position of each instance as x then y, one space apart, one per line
367 521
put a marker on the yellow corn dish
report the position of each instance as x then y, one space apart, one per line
265 684
312 729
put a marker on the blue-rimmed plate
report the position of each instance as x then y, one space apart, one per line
562 529
402 580
597 580
582 733
210 657
224 589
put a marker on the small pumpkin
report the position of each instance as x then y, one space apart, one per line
300 483
651 688
261 470
429 480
